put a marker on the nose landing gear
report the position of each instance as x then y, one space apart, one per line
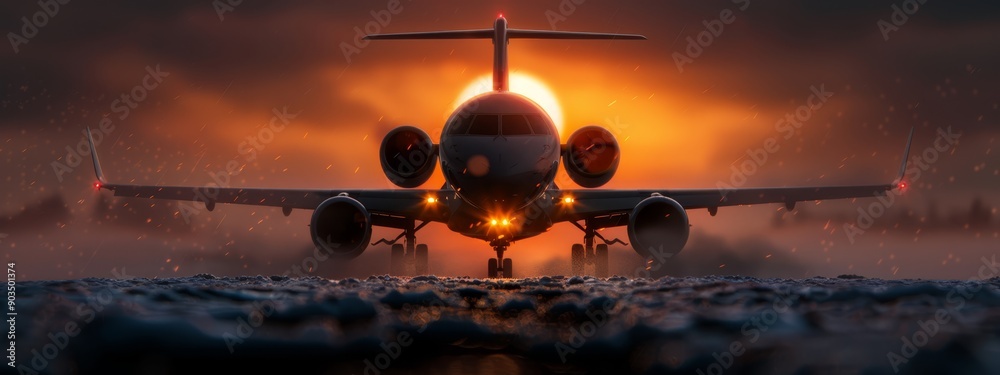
500 266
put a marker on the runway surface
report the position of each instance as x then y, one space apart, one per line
427 324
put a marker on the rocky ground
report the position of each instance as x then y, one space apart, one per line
426 324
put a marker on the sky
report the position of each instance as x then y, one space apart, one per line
176 90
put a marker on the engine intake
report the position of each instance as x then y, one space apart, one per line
408 156
342 227
658 228
591 156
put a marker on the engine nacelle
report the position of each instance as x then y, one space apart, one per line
342 227
658 228
591 156
408 156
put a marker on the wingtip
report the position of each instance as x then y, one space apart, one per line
906 157
97 163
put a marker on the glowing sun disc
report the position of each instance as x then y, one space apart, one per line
522 84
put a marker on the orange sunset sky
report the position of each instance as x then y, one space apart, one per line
678 127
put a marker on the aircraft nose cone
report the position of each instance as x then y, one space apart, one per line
499 172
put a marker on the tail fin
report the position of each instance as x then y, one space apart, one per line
501 35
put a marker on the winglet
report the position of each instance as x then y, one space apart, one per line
97 163
906 156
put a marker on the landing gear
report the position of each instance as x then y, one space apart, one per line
500 267
401 256
588 254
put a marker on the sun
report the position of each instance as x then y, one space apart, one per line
522 84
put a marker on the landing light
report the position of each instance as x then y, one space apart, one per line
568 200
501 222
431 200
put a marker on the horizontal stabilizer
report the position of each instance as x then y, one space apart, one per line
501 35
548 34
511 34
453 34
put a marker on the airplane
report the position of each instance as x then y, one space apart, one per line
499 153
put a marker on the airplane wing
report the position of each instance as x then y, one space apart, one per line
593 203
407 203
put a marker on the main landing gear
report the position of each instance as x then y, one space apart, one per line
401 256
586 253
500 266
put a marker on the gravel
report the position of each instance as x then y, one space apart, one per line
428 324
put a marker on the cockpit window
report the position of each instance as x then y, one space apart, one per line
491 124
461 124
485 125
515 125
538 124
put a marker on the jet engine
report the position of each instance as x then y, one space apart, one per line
408 156
591 156
342 227
658 227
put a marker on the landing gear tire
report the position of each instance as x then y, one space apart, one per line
577 259
492 268
420 261
601 260
397 262
508 268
